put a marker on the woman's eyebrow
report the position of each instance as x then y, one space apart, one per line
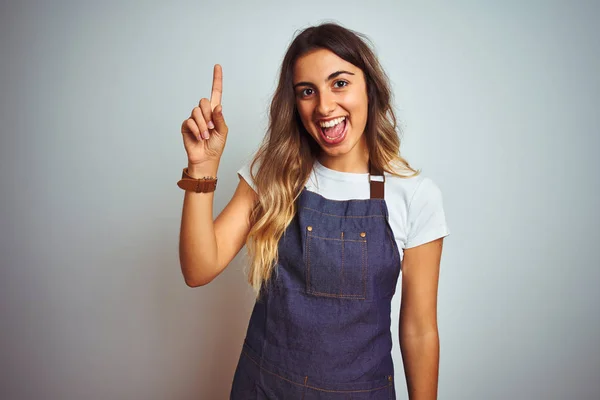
338 73
330 77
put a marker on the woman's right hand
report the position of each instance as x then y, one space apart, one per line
205 132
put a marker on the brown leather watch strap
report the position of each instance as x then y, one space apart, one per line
202 185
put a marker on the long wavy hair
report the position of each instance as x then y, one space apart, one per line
286 156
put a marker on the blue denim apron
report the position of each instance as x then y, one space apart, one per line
321 327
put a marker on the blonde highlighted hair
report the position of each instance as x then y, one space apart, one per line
286 156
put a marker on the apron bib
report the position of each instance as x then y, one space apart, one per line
321 328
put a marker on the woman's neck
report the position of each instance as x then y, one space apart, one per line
356 163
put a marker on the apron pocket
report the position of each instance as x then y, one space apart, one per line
336 267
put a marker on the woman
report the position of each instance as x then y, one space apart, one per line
330 213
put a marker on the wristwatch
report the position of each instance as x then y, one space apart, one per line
206 184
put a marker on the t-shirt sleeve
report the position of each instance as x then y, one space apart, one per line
426 217
244 173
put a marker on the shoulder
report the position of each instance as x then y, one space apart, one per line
416 209
411 189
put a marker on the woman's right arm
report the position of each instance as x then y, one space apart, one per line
206 247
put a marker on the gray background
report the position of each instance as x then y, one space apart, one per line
499 104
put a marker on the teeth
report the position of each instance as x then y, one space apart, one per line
332 123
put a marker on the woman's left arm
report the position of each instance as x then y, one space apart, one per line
419 340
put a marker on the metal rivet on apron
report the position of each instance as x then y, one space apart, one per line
309 228
390 378
363 234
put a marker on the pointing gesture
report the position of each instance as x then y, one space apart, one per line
217 87
205 131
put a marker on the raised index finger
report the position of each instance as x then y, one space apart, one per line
217 87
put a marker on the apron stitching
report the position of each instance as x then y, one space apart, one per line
338 240
342 285
345 296
304 392
308 240
309 386
365 266
345 216
347 391
394 246
390 235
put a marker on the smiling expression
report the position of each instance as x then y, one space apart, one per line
331 98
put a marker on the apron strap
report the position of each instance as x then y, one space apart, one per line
376 180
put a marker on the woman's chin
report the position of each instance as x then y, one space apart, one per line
338 150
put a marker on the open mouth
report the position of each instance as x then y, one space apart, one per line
334 131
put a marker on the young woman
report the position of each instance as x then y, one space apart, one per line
330 214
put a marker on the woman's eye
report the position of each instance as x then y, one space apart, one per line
306 92
339 84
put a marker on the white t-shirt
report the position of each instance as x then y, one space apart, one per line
415 205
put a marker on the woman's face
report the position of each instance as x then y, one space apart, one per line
331 97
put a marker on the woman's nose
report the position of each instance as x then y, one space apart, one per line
326 104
